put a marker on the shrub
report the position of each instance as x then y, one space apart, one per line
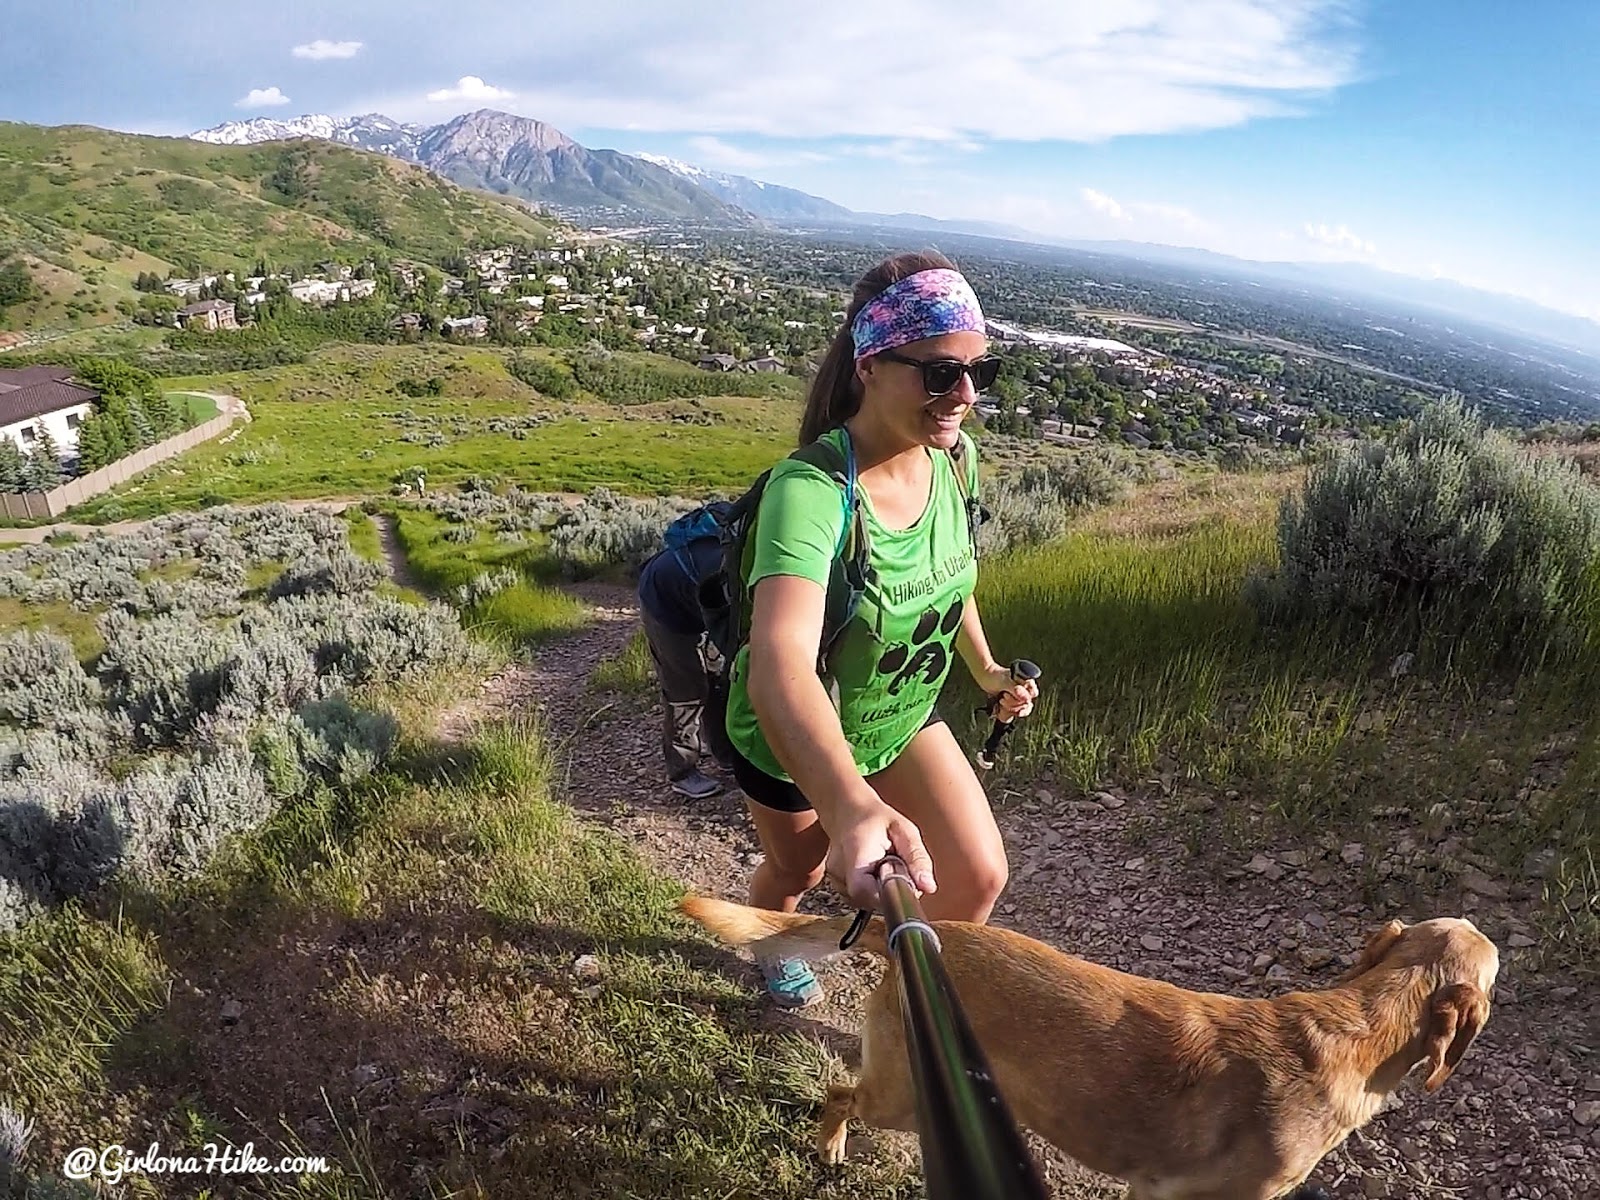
40 679
241 698
605 529
542 375
484 586
339 574
1034 502
1451 519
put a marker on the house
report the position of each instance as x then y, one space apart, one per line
718 362
767 365
407 323
44 397
209 315
314 291
464 327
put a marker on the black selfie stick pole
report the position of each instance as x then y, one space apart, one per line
1021 670
972 1148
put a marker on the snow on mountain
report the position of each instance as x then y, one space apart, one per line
677 166
370 131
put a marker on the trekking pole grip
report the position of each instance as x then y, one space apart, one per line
1021 671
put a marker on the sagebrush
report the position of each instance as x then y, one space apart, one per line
211 702
1450 523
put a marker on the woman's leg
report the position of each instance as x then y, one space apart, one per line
794 845
933 784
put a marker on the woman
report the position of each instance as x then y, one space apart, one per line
836 788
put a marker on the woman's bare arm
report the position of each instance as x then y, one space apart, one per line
801 726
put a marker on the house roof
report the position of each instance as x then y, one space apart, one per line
35 391
205 306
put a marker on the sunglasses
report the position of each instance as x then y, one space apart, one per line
941 376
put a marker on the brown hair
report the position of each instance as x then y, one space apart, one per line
835 394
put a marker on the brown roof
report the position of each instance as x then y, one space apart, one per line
10 381
34 391
205 306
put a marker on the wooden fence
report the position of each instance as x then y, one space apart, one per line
32 506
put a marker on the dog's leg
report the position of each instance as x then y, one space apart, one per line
835 1123
882 1097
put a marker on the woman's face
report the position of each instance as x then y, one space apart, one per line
893 391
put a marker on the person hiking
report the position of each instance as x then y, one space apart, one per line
840 771
687 665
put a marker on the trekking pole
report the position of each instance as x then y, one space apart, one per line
1021 670
972 1148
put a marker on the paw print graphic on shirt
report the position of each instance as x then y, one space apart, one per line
929 652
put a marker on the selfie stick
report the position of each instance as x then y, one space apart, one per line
1021 670
972 1148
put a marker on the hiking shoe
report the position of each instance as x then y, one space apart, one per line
696 786
790 983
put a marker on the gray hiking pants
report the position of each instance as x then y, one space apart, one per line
687 665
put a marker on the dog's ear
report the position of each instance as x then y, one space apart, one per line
1379 943
1455 1016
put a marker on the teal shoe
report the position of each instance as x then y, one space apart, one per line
791 983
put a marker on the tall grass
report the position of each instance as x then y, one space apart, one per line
520 614
1157 669
484 951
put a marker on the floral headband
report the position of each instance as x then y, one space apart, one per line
919 306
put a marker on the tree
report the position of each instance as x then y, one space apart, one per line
16 284
13 466
94 448
113 377
44 462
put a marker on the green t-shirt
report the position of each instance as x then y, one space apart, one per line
891 661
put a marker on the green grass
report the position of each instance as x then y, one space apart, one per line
89 209
630 671
364 540
75 625
426 924
201 408
1156 671
519 615
336 426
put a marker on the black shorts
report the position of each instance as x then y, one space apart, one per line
771 792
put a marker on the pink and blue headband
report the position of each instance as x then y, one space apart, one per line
919 306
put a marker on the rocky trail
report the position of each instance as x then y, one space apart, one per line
1100 878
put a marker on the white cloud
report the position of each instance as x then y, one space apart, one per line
322 48
262 98
1074 70
1152 218
470 88
1174 215
1339 237
1104 204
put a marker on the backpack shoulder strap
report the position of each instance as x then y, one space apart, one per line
855 544
964 466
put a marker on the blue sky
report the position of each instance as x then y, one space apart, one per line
1430 137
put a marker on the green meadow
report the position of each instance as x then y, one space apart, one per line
344 424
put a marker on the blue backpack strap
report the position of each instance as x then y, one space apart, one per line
852 563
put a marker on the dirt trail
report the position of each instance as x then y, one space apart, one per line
1094 877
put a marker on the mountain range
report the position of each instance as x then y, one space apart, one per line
528 159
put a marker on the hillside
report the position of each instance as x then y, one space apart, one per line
88 209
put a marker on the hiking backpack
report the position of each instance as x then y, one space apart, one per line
721 594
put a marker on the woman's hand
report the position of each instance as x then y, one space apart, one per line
1016 698
860 843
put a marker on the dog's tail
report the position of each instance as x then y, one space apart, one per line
781 935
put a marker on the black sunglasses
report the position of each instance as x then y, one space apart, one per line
941 376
